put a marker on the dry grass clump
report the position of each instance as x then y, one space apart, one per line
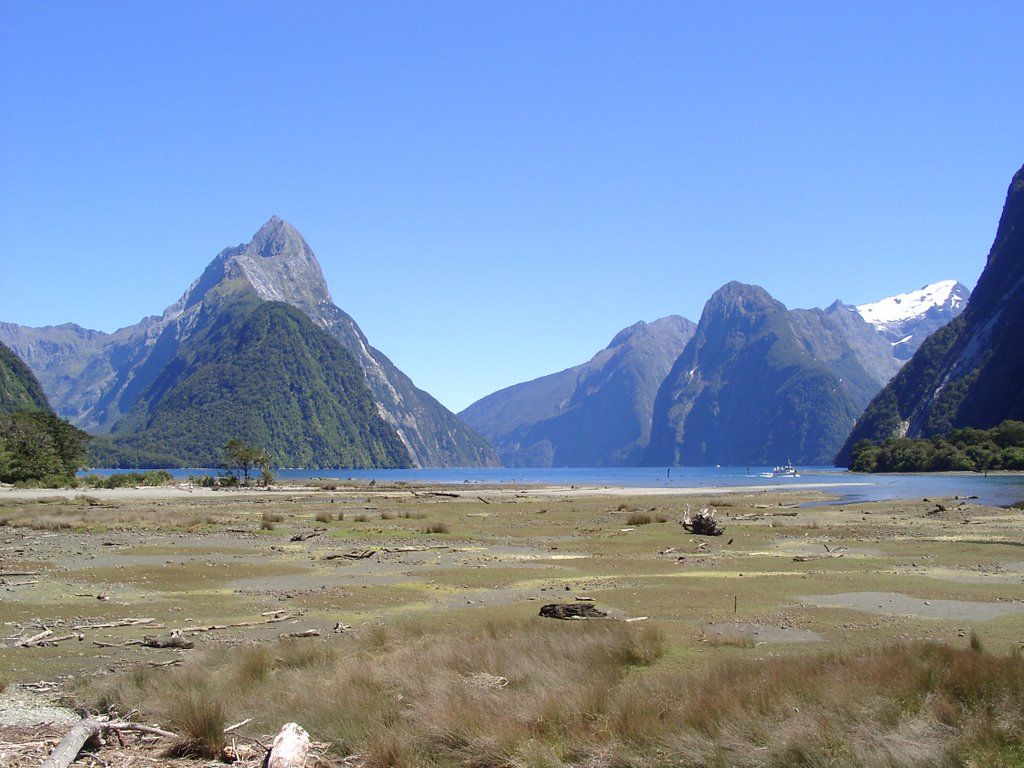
89 514
600 693
270 520
324 517
735 637
639 518
438 527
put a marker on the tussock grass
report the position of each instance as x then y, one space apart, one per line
324 517
599 693
639 518
85 513
436 528
270 520
722 637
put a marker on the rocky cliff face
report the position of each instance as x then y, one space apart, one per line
760 384
970 372
594 414
95 379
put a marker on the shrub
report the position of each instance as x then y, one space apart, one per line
269 519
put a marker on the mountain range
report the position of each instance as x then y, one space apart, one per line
256 349
594 414
969 373
135 383
753 383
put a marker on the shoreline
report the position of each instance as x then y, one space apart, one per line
534 490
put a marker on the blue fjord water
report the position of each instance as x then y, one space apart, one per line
997 489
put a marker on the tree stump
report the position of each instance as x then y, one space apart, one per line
290 748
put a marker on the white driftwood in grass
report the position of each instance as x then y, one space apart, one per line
86 731
64 754
290 748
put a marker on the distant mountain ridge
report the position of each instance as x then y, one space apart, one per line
970 373
761 384
594 414
602 413
96 379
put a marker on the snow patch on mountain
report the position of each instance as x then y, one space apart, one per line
907 306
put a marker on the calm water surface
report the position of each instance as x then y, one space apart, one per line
995 489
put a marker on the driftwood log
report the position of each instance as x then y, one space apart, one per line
65 753
290 748
90 732
307 534
703 523
168 641
571 611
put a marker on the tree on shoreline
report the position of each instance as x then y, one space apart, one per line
240 459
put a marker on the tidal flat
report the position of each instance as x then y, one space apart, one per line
347 565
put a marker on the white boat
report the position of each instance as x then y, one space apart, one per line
786 470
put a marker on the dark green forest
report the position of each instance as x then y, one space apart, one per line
263 373
966 449
36 446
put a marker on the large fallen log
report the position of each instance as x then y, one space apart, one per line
65 753
168 641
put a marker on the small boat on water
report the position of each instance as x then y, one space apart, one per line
784 470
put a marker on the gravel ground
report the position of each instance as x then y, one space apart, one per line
22 706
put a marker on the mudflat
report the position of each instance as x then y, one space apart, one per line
354 554
86 577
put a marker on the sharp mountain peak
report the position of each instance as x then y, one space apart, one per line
278 263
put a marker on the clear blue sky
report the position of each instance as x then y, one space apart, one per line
495 189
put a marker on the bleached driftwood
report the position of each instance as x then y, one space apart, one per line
65 753
303 633
170 641
30 641
112 624
91 731
276 618
703 523
290 748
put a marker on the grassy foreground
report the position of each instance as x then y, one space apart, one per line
595 693
883 634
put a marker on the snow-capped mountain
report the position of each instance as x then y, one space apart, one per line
907 319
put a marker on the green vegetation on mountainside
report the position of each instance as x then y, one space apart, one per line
19 388
35 444
261 372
